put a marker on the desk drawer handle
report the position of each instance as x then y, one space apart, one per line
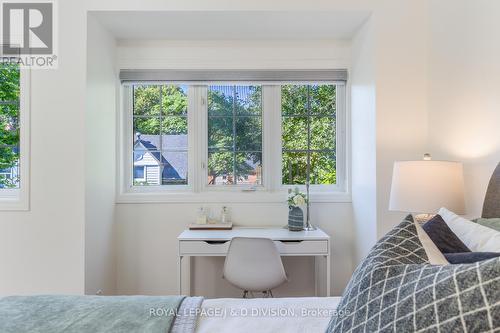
291 241
215 242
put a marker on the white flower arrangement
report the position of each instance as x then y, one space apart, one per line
296 198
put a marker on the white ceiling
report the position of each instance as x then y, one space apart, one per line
232 25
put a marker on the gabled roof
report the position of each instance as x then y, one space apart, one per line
175 162
168 142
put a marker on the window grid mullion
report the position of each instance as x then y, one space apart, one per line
317 115
164 116
231 149
161 136
306 150
234 135
308 166
234 116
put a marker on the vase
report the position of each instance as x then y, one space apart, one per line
295 218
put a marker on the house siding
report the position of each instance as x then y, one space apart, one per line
153 175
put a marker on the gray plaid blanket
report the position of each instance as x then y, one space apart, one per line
395 289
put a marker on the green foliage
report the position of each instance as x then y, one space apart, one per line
234 132
9 125
319 103
147 109
9 121
9 82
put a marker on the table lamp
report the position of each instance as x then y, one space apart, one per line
423 187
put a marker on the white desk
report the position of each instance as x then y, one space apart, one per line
208 243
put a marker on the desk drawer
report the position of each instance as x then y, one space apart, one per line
206 248
302 247
203 248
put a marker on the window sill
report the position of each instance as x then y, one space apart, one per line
13 203
227 197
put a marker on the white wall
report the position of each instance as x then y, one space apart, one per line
147 248
42 250
388 110
401 99
363 141
464 90
233 54
100 160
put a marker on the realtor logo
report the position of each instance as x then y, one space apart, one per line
28 33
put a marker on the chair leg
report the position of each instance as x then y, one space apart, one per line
245 293
271 293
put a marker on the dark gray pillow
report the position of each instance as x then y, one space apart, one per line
469 257
441 235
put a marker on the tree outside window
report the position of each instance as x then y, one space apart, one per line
9 126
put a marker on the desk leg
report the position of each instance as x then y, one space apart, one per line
179 275
315 276
328 282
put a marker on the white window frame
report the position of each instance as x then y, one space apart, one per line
203 150
18 198
198 190
340 145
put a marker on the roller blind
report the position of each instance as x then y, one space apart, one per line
317 75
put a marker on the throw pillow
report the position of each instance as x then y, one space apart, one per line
476 237
469 257
395 289
433 253
445 240
493 223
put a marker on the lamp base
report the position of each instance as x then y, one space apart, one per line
422 218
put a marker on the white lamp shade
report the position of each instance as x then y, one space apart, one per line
426 186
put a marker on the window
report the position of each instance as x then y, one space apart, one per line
139 173
13 136
234 135
160 141
195 139
308 134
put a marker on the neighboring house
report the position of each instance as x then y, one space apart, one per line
9 177
155 167
254 178
171 162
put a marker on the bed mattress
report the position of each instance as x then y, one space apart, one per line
299 314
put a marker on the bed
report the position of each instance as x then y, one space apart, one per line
162 314
395 289
298 314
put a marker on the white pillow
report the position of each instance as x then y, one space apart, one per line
476 237
435 256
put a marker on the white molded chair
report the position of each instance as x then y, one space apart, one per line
254 265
